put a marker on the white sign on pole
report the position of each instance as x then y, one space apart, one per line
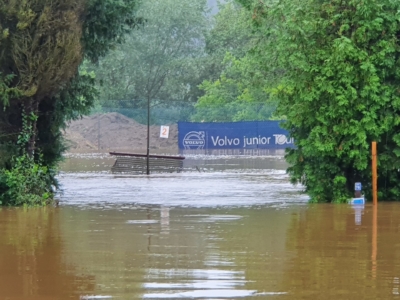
164 132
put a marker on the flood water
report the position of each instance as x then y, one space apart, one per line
235 230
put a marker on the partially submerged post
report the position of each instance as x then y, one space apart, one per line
375 209
374 239
148 137
358 197
374 175
357 190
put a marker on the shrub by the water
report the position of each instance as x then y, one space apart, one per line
26 183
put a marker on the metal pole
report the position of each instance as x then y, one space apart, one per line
374 175
98 133
148 136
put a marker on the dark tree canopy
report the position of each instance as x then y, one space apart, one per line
42 45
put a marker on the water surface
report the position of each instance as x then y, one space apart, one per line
233 233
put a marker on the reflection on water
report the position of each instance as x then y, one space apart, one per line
159 252
231 163
204 255
196 284
31 260
337 257
239 233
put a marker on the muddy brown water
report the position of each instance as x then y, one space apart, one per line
233 233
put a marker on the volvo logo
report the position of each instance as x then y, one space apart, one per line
194 140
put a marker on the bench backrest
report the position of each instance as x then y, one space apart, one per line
131 164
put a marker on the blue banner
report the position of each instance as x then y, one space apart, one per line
235 135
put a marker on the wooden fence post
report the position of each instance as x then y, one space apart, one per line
374 175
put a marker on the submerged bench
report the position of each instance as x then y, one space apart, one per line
137 163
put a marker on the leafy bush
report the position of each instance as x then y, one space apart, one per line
26 183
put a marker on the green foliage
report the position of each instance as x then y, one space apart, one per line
158 60
7 92
337 81
71 103
106 24
42 48
230 32
42 45
234 90
28 181
180 56
238 95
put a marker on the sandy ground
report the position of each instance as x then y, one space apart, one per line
115 132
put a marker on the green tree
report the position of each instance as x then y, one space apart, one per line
158 60
230 33
42 44
233 86
337 81
237 95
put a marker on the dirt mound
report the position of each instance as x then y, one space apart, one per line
116 132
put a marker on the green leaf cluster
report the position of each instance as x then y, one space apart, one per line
6 91
336 79
237 95
27 181
107 22
233 90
